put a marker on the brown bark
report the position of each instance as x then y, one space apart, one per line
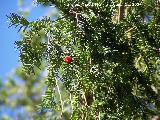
121 12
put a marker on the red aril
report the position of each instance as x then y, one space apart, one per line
68 59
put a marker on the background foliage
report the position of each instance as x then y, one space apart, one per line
22 93
115 49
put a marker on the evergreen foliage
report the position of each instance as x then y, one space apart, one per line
115 50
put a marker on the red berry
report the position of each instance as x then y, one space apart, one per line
68 59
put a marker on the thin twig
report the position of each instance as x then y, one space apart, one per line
70 96
99 116
130 29
60 96
83 93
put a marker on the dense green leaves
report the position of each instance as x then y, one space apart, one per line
115 49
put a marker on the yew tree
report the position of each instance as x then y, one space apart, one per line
105 55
